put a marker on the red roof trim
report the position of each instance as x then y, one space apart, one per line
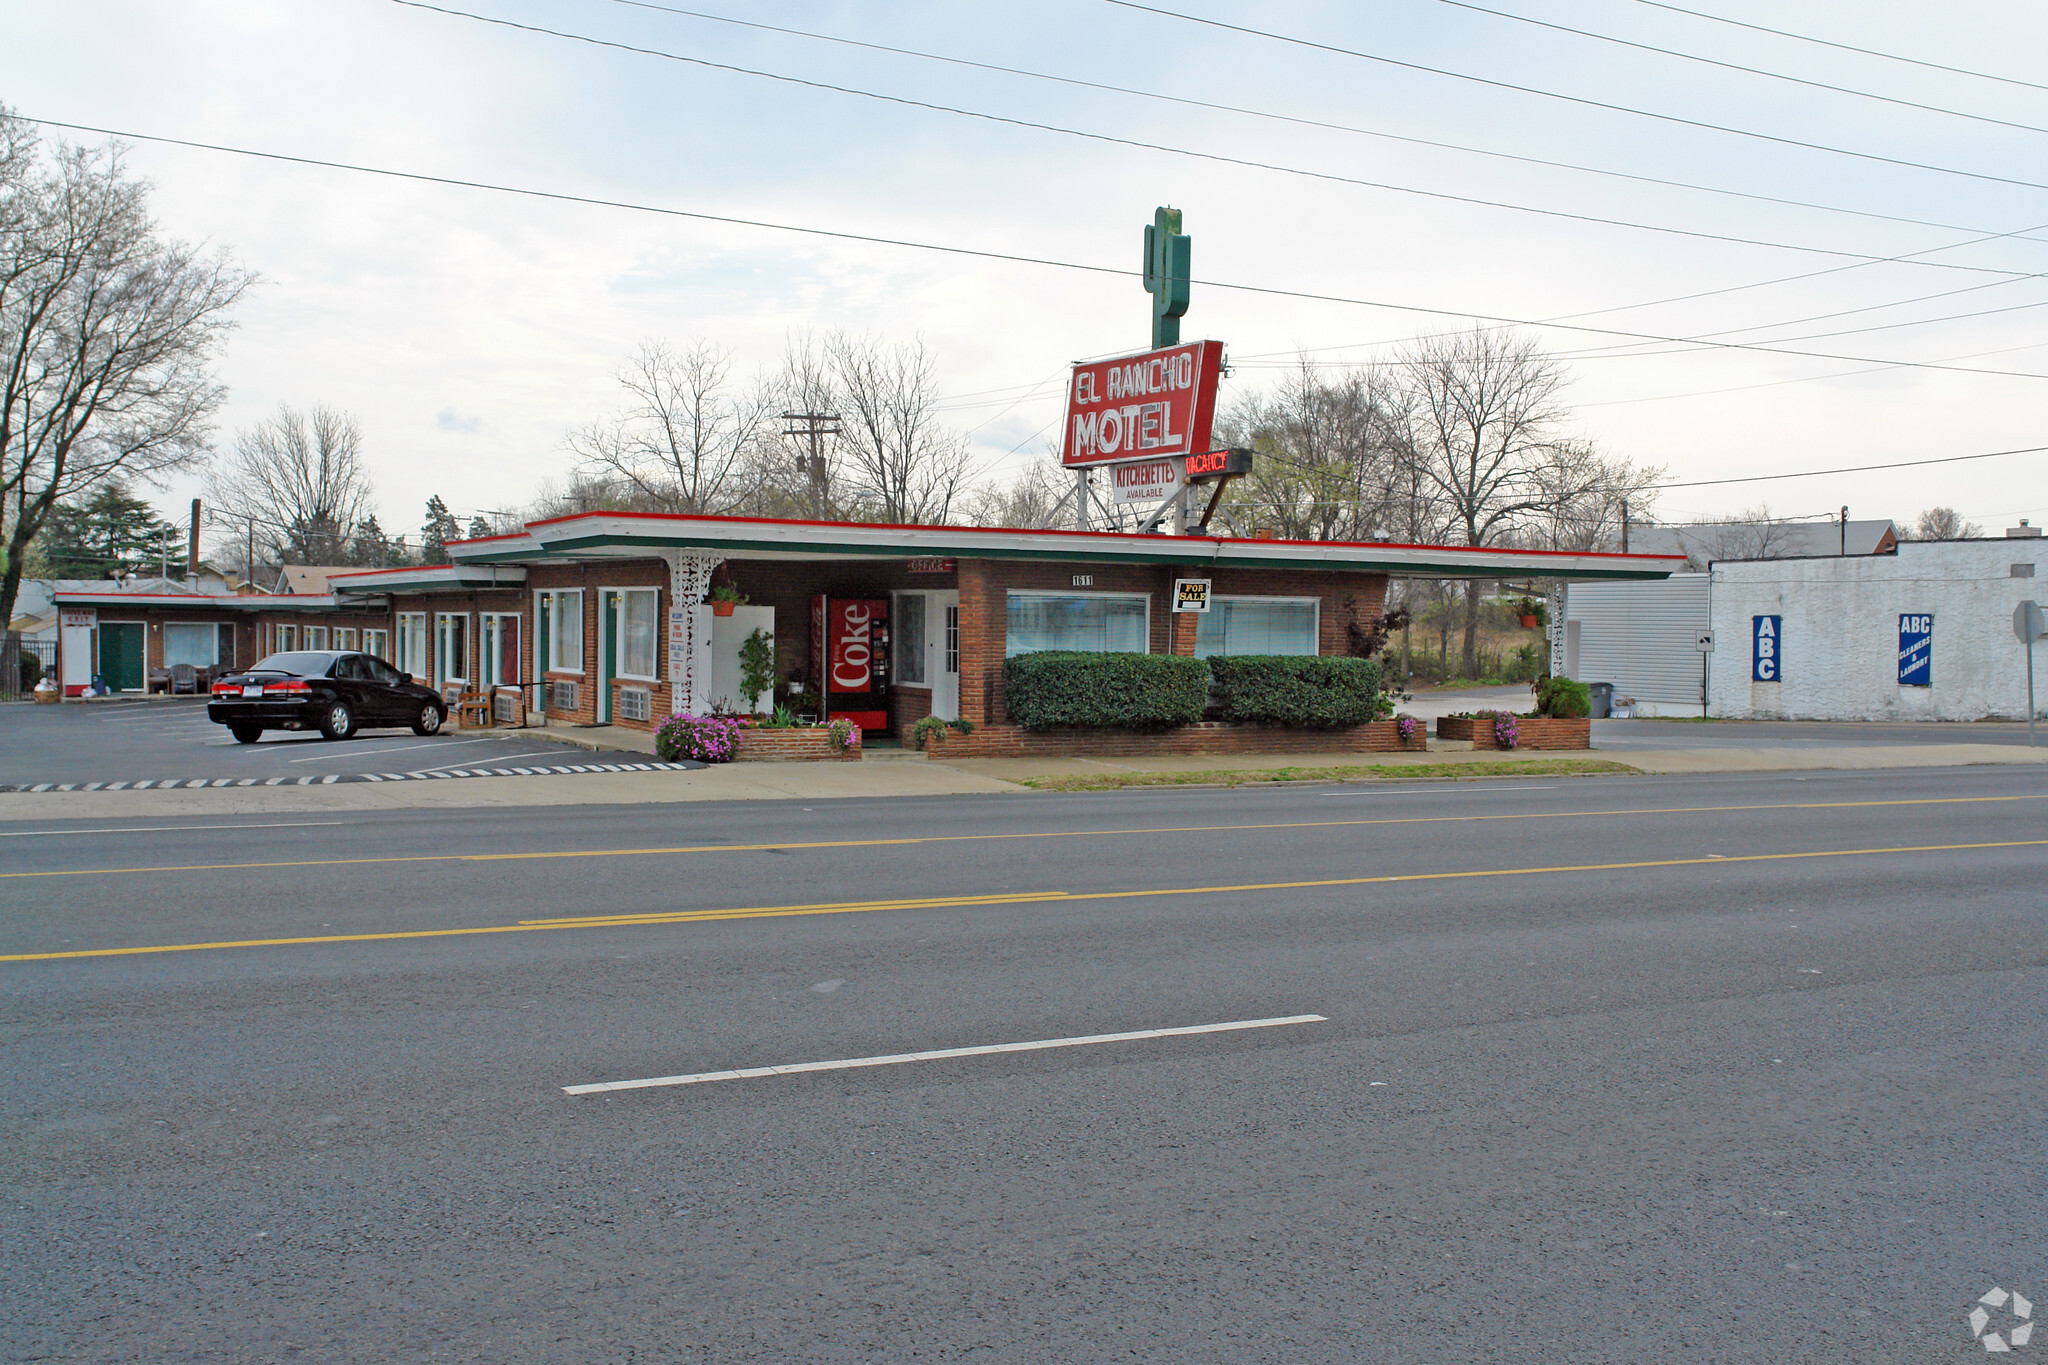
1088 535
408 568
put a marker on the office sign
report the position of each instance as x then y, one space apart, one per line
1766 661
1143 480
1916 651
1158 404
78 618
1191 594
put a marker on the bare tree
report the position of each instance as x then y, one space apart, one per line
1331 454
688 435
1487 419
1033 500
298 478
1755 534
1943 523
1584 496
107 335
897 457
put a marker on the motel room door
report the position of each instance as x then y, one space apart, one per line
121 645
608 623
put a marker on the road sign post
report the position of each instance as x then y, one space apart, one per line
2029 624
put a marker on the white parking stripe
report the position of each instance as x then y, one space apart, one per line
897 1059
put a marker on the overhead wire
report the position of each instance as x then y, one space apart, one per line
1841 47
1574 99
1264 291
1736 66
1296 120
1167 149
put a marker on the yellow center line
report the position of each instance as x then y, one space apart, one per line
1002 898
799 846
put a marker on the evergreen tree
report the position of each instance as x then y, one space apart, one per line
440 528
369 547
110 533
479 528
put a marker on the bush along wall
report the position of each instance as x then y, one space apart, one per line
1063 689
1306 692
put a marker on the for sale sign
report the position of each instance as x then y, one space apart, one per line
1158 404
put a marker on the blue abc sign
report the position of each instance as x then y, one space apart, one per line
1765 659
1916 650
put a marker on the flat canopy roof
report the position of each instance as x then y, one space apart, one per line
628 535
194 601
418 577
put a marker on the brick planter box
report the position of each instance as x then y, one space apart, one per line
1532 732
803 744
1209 737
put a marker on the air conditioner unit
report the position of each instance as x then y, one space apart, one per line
564 696
635 703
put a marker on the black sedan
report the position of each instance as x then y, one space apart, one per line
334 692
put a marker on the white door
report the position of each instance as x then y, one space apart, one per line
942 652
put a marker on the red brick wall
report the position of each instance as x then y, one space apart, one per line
1531 732
806 744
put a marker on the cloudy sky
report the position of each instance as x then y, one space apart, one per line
468 329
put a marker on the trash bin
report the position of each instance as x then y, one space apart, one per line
1603 699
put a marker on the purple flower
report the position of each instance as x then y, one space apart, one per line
1405 725
707 739
1505 732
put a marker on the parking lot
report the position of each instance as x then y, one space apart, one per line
128 744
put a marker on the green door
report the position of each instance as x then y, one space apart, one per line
121 655
607 654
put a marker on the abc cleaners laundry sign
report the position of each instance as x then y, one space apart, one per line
1158 404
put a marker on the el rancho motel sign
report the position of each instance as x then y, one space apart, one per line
1147 418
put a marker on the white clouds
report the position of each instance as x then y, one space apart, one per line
469 330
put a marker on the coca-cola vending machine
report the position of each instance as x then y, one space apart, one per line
850 645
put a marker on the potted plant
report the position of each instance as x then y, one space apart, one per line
1529 612
724 598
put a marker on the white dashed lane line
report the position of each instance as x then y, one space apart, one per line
419 775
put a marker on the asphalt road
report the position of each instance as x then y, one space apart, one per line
173 741
1731 1068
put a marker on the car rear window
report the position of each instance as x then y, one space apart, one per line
300 664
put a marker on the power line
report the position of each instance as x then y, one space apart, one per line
1217 157
1806 379
1573 99
1851 469
1841 47
1296 120
1733 66
1264 291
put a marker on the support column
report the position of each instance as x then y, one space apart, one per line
1559 601
689 578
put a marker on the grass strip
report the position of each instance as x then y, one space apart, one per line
1376 772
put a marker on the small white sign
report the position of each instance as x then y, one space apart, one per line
1143 480
78 618
1704 642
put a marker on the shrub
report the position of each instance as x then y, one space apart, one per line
1304 691
31 670
1056 688
962 724
927 729
1563 699
757 666
707 739
845 735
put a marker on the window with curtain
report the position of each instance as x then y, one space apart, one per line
189 644
1100 623
565 631
377 642
1257 625
412 643
451 648
638 632
909 627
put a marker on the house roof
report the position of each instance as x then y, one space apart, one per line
308 578
625 535
1707 541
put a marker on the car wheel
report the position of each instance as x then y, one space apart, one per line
338 722
429 722
246 734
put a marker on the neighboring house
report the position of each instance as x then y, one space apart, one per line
308 580
1706 542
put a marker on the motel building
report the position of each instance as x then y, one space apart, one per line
614 618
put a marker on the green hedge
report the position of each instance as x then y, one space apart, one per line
1307 692
1564 699
1056 689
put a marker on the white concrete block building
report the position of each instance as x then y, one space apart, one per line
1923 634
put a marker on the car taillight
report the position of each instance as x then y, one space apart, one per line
222 689
290 686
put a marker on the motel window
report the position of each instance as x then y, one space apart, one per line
638 632
909 640
377 643
451 648
1257 625
1097 623
285 639
316 637
185 643
344 639
562 629
412 643
224 645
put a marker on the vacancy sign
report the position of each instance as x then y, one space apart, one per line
1155 405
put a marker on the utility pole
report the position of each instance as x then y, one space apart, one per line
815 427
1845 530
